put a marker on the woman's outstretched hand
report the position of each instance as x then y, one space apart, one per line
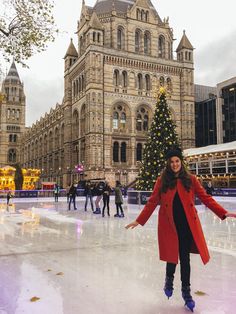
132 225
233 215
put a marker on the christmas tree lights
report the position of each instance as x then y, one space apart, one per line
162 137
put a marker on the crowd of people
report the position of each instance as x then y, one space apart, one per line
94 194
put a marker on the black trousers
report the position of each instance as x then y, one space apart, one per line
184 256
185 242
72 200
119 206
106 201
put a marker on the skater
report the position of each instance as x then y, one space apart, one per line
56 192
9 196
68 193
88 192
72 194
99 192
179 228
106 199
118 200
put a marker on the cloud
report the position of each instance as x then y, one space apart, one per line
216 62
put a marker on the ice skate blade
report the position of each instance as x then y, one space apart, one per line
168 293
190 305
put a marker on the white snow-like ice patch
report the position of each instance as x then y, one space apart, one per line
55 216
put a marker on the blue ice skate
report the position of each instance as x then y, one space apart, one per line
168 288
189 302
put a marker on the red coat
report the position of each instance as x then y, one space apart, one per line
167 234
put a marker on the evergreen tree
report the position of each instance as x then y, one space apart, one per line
162 137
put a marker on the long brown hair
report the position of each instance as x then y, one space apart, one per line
169 179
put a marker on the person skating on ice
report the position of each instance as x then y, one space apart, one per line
179 228
118 200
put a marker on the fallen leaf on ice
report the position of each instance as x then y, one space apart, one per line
34 299
200 293
60 273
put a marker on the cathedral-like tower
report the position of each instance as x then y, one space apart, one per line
12 117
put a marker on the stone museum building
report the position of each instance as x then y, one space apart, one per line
123 56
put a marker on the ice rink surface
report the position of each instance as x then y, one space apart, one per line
77 262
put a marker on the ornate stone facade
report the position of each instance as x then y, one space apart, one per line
125 53
12 118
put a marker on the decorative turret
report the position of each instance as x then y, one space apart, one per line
71 55
12 87
185 50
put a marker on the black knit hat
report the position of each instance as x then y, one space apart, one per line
174 152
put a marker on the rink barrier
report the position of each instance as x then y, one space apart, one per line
37 193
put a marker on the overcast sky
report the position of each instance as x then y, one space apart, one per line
210 26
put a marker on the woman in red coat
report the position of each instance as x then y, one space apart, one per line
179 228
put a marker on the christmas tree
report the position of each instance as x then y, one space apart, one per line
162 137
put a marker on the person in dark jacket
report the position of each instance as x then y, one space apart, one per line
72 195
106 199
118 200
88 192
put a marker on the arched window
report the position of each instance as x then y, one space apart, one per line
123 120
140 81
147 43
137 40
50 140
119 115
45 144
147 16
138 14
145 122
124 79
120 38
10 137
80 85
116 152
162 81
143 15
115 120
139 149
74 88
62 135
123 152
75 124
94 36
142 119
169 84
169 50
161 46
116 78
147 82
98 37
14 138
139 122
12 155
57 144
82 121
